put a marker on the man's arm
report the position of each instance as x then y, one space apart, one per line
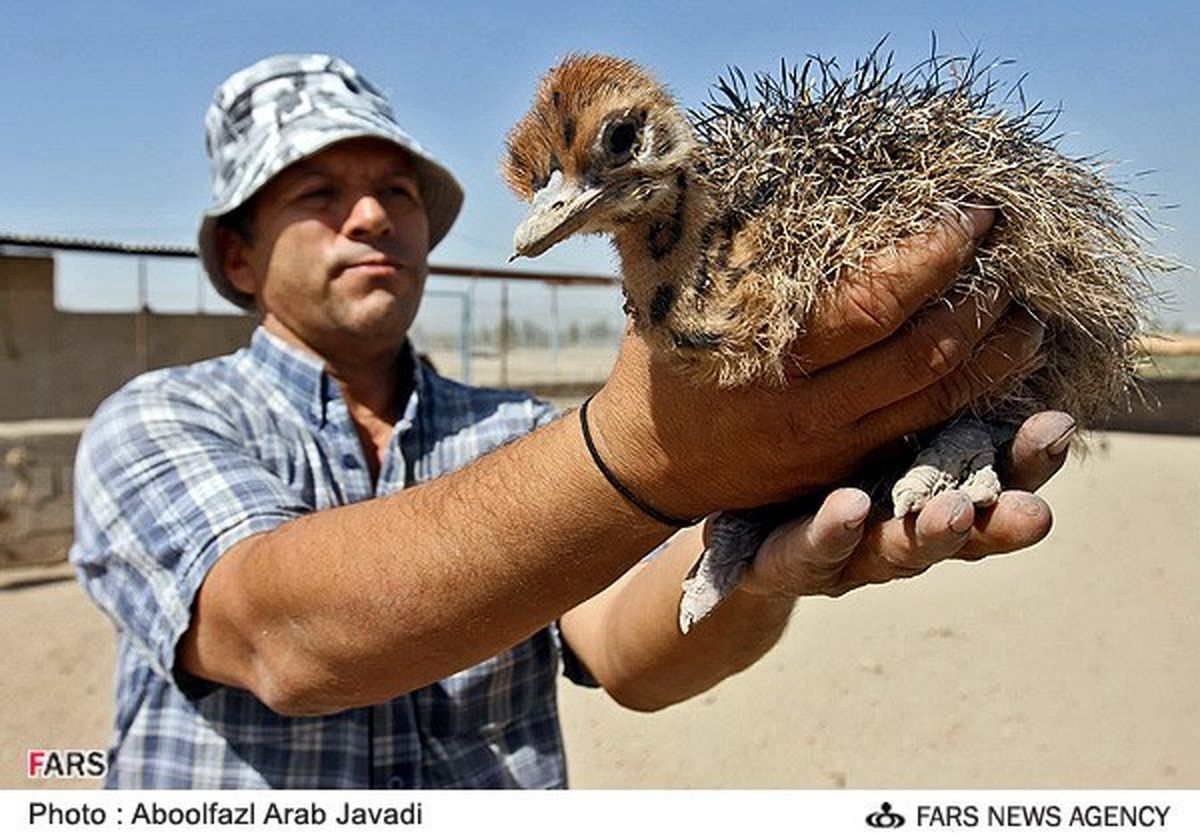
354 605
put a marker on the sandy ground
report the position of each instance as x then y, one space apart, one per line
1074 664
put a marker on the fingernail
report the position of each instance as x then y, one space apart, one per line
1059 445
860 515
1030 506
962 519
978 220
1032 328
856 522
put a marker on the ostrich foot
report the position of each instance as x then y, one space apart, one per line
962 456
733 540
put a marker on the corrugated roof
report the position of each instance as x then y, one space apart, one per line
58 242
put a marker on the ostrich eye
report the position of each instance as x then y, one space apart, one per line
620 138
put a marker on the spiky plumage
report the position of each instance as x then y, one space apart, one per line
731 233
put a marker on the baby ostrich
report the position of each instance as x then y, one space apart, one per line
732 223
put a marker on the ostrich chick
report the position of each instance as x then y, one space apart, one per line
731 224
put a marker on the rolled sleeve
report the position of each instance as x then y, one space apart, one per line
165 485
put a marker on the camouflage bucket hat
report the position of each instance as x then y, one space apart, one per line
285 108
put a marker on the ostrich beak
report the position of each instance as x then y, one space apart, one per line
560 209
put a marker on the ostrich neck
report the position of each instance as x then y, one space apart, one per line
662 249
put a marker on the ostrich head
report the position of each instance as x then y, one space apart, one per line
601 147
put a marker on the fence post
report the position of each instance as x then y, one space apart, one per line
466 344
141 321
555 341
504 325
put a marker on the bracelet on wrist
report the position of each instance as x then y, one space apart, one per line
643 506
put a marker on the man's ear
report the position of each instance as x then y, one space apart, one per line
235 261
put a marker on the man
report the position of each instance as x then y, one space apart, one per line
331 567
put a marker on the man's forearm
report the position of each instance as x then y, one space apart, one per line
357 604
629 638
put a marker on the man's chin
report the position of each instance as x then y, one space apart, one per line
375 319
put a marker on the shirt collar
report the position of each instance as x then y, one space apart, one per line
300 376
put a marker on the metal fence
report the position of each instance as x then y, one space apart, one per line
485 325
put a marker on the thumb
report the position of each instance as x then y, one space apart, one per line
805 556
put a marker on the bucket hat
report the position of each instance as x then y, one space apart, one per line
287 107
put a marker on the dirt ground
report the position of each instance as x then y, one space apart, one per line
1073 664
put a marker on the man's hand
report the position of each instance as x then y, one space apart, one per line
866 372
837 549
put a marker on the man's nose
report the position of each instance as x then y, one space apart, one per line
367 218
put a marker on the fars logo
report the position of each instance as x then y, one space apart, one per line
66 763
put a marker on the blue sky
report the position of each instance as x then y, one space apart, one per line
103 103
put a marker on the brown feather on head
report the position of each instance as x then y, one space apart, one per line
600 146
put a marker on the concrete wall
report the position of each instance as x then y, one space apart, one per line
55 364
36 514
55 369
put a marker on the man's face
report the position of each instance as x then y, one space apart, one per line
337 258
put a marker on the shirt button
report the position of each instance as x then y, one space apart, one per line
395 782
350 461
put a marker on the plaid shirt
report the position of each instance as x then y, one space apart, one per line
183 463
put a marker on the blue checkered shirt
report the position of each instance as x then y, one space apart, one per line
183 463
